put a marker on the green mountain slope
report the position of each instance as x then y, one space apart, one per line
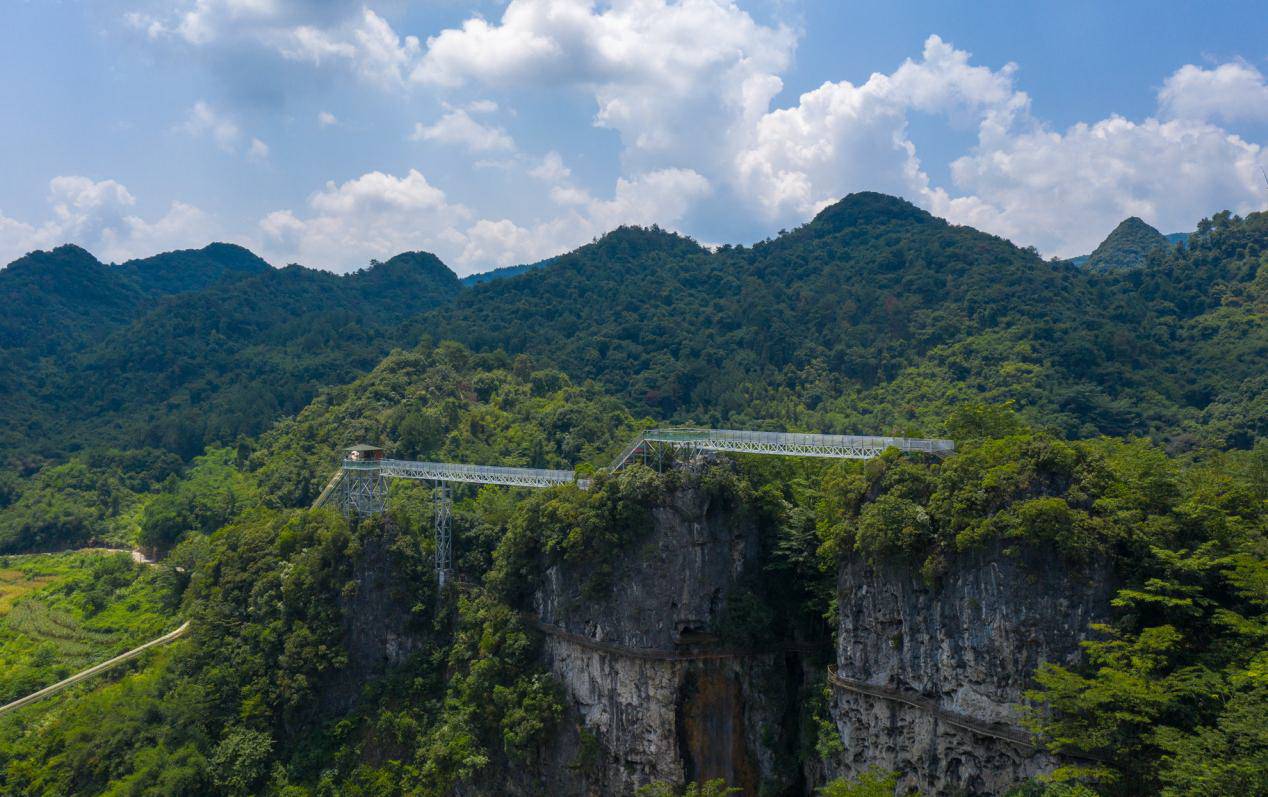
1126 246
210 365
878 317
62 296
504 272
322 660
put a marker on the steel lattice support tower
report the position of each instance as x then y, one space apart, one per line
363 490
442 505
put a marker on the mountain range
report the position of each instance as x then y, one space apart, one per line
1093 549
875 316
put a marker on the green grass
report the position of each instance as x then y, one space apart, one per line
61 613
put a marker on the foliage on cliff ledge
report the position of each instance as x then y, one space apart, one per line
1174 690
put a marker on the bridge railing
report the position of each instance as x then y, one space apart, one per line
474 474
793 443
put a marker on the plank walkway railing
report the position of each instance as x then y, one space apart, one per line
928 705
94 670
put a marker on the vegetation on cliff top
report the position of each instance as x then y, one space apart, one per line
1172 697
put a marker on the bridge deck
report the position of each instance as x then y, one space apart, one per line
724 440
795 444
457 472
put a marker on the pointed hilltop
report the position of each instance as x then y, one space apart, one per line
1126 247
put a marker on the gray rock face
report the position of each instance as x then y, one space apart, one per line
970 645
656 695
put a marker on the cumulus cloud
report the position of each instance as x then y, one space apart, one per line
1061 191
332 32
458 128
98 215
551 168
375 215
676 80
378 215
203 120
691 85
326 119
1230 92
841 137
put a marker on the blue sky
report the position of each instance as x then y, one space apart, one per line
335 131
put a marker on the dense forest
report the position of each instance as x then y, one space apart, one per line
1128 246
877 316
152 360
1106 415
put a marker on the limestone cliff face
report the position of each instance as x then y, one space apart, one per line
653 696
963 649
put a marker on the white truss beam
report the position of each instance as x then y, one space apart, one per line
792 444
472 474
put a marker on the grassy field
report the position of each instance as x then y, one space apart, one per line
61 613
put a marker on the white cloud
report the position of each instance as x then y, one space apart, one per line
551 168
842 137
1060 191
1064 191
258 150
458 128
1230 92
203 120
677 80
98 216
690 85
660 197
331 32
378 215
326 119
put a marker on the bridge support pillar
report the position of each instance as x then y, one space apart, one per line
442 506
364 490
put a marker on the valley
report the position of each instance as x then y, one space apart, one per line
1072 599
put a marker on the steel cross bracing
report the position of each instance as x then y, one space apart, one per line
794 444
442 503
474 474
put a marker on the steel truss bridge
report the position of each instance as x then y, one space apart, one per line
360 485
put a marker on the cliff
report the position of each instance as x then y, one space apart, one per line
927 680
931 677
653 690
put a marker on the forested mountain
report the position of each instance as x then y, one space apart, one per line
875 316
323 659
1127 246
504 272
878 317
204 366
66 295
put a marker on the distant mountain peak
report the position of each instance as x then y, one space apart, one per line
633 241
413 266
1126 246
865 208
59 257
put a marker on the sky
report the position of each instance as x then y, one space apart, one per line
333 132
